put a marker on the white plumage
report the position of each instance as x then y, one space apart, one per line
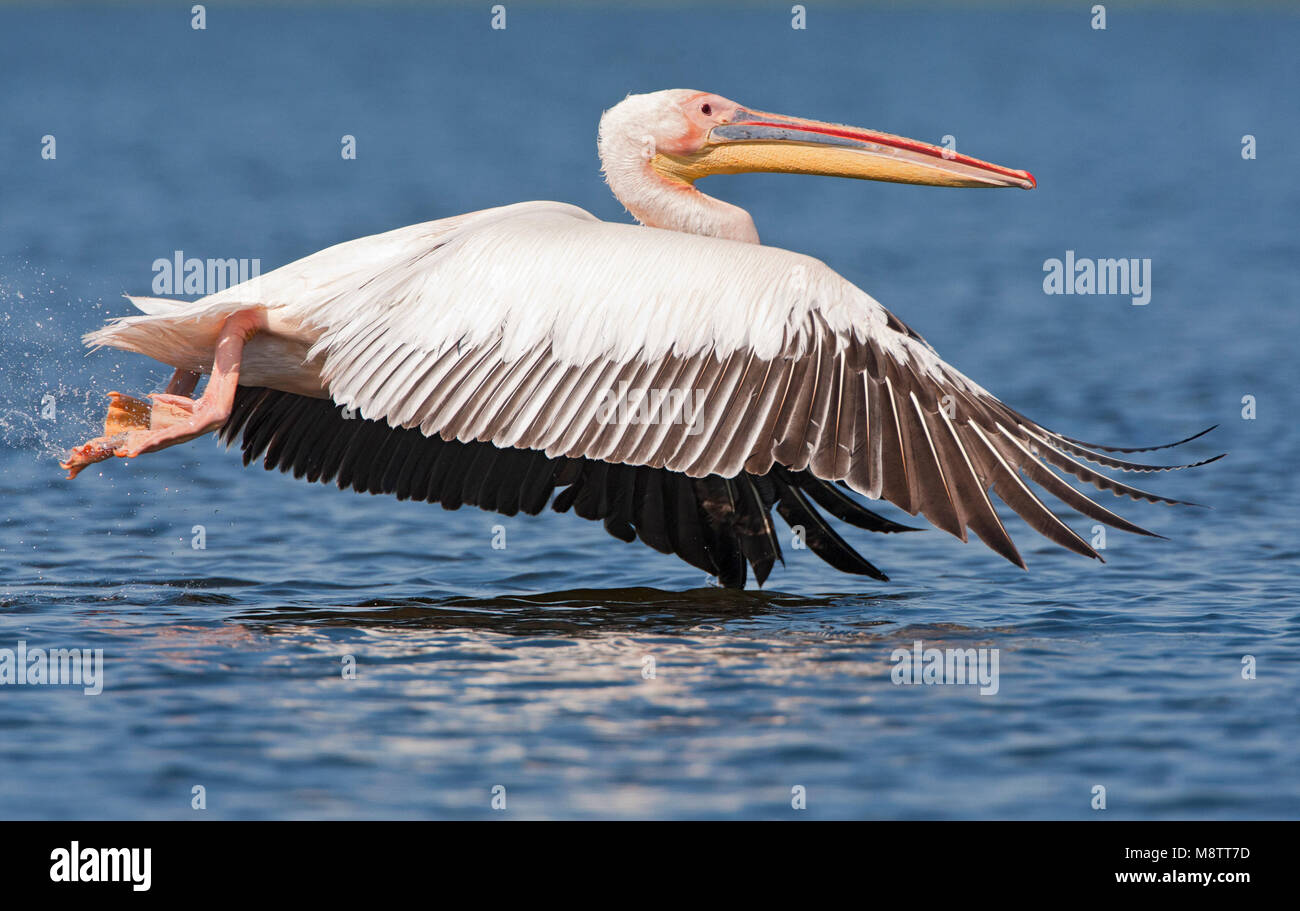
510 326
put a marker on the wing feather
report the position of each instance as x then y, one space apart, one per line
513 327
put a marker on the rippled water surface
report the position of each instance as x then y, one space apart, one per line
529 667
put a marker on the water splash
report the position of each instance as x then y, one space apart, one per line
52 392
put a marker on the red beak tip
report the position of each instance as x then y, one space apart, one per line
1033 183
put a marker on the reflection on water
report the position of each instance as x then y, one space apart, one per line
562 613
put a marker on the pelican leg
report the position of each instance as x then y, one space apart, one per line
133 427
182 382
210 411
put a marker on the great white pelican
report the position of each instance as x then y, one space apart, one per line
675 379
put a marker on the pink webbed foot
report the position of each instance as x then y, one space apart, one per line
181 402
129 424
186 419
133 427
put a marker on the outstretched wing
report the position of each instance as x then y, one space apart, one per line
539 328
720 525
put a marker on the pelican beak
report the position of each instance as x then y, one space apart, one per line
756 141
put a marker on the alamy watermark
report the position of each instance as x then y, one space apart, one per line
182 275
644 405
75 864
954 666
83 667
1081 275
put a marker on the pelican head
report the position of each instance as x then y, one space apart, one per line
654 147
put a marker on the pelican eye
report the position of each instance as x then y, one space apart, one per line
706 110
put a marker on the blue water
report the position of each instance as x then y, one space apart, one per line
523 667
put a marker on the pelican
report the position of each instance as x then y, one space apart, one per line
674 379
